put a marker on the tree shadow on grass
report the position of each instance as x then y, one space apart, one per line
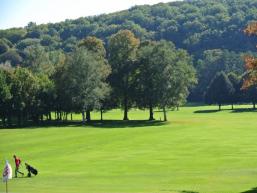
244 110
238 110
105 124
183 191
206 111
123 124
253 190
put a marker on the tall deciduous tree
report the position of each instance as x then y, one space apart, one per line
122 54
24 88
86 80
147 78
96 47
164 76
177 77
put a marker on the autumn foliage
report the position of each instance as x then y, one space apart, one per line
250 61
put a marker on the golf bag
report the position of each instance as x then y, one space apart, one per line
31 170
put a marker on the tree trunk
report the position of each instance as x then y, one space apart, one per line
219 107
177 108
19 119
232 106
9 120
101 114
83 117
151 112
125 117
88 116
71 116
164 114
50 116
3 121
254 107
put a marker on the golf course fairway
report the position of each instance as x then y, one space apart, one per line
199 149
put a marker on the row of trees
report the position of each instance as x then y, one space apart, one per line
229 89
211 31
148 74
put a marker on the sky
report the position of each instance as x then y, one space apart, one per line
18 13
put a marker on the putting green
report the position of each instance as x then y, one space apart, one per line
198 150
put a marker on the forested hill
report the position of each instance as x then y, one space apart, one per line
212 31
194 25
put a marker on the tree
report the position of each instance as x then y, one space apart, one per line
147 78
5 94
178 75
12 56
44 99
236 83
214 61
220 90
96 47
24 88
250 61
122 53
86 80
251 95
37 60
21 45
164 76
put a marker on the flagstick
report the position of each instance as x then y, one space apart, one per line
6 186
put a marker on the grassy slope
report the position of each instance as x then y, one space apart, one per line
200 152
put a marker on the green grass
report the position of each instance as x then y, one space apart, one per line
198 150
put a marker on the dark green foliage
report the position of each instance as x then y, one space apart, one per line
37 60
66 67
122 55
163 77
212 32
24 88
5 95
220 90
21 45
213 62
85 78
193 25
14 34
3 46
12 56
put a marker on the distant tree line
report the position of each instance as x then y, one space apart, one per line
130 73
226 89
210 31
232 88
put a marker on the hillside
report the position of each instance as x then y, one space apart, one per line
211 31
193 25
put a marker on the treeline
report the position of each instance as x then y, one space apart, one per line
147 74
229 88
210 31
